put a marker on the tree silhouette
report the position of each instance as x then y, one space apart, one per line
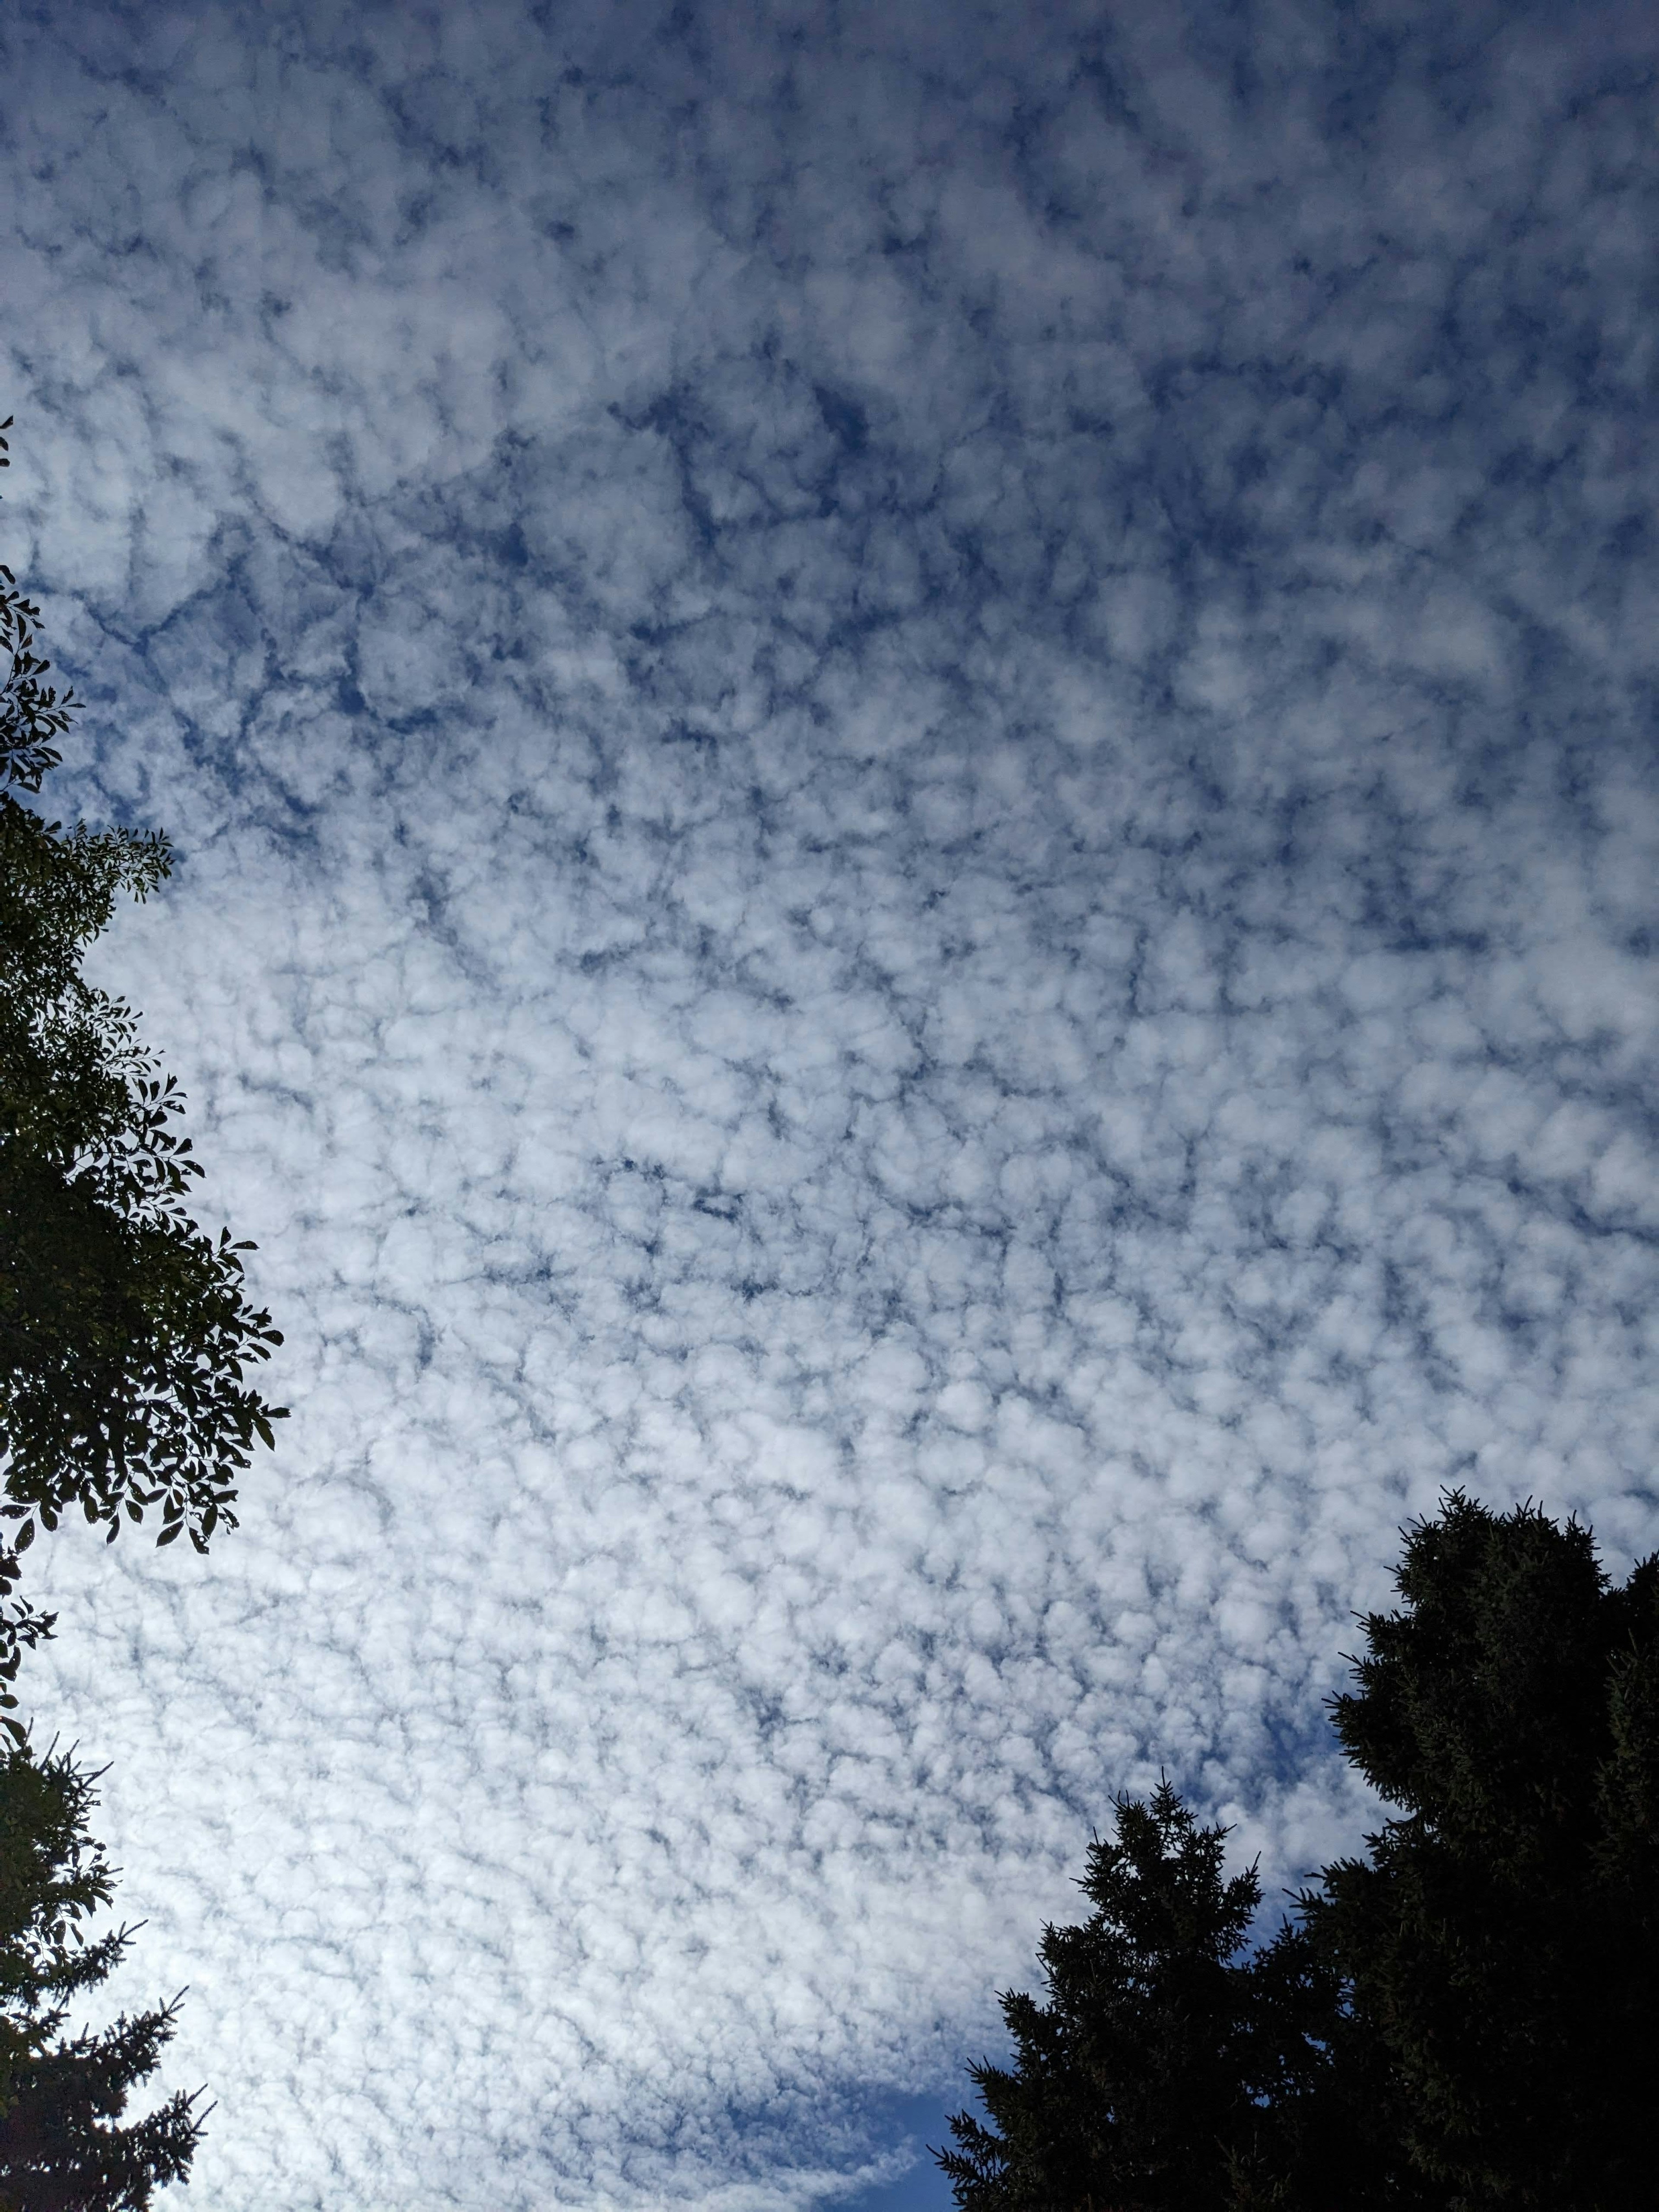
1168 2070
1462 2017
63 2144
1500 1936
125 1333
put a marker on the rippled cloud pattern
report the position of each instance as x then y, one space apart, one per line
914 752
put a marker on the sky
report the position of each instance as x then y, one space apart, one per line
913 757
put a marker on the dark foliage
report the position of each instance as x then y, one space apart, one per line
63 2146
1127 2084
1499 1936
1168 2070
1463 2018
125 1333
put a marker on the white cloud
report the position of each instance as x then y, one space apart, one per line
916 911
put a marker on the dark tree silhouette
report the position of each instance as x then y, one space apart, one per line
1462 2018
63 2146
125 1333
1500 1936
1168 2070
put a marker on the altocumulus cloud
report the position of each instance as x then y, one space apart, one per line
914 756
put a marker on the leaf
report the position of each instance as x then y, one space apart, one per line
167 1534
25 1537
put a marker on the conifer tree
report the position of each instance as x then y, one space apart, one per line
1460 2019
1499 1939
1168 2070
63 2144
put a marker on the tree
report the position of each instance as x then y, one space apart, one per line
1461 2018
1169 2069
1500 1936
62 2145
125 1330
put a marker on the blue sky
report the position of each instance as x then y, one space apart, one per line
913 759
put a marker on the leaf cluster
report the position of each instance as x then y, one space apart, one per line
126 1341
32 716
125 1334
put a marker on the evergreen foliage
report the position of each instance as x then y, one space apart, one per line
1170 2068
1461 2018
63 2146
124 1331
1501 1935
1127 2084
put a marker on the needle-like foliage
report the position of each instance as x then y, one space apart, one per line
1127 2085
64 2145
1460 2019
1501 1933
1169 2069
